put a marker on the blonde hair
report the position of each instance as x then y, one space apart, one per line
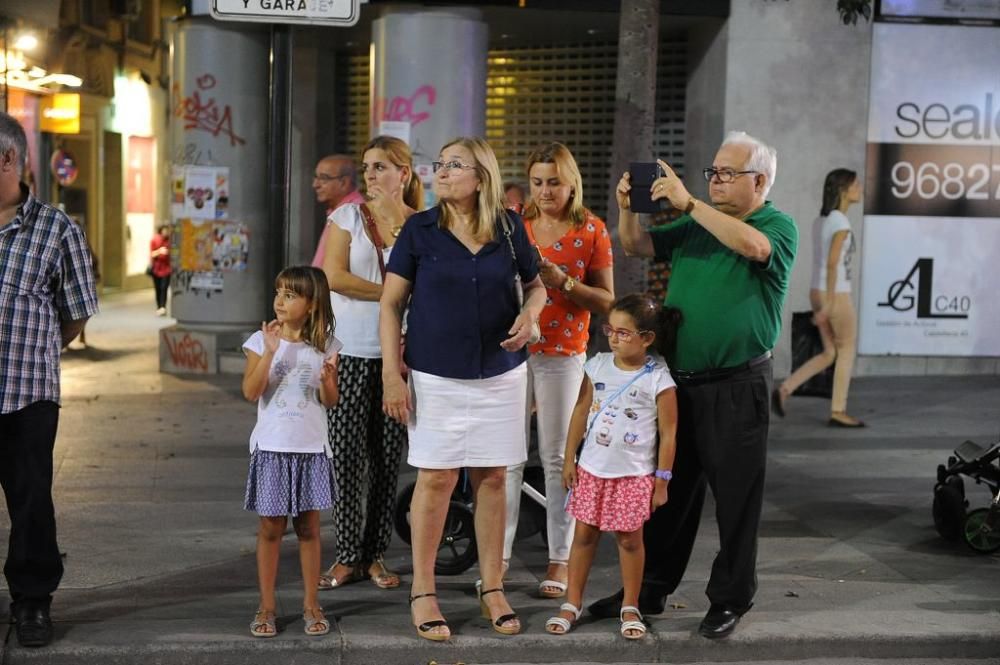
558 154
311 284
400 155
490 202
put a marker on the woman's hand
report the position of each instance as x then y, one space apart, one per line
669 187
552 275
396 399
272 335
659 494
385 204
622 190
569 474
519 333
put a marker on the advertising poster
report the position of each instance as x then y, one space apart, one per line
197 244
932 193
199 192
231 246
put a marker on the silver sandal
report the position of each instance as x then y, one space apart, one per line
309 616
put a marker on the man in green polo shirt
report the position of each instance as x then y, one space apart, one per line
730 266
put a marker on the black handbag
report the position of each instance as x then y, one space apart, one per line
806 343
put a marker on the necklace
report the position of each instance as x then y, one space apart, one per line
394 231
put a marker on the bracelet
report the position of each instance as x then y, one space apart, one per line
663 474
690 205
568 284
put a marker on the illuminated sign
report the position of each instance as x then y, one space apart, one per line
60 113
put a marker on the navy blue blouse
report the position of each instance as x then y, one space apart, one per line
462 304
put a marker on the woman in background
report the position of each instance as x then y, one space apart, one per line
830 296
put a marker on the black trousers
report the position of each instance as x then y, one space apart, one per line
161 284
27 437
721 442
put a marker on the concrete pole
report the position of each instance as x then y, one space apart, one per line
436 92
635 107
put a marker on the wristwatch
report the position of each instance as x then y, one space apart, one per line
663 474
568 284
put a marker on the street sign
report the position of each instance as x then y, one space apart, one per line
340 13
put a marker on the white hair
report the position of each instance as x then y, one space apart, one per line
763 158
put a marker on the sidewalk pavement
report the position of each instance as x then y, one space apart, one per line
160 568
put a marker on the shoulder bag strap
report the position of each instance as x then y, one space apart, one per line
375 236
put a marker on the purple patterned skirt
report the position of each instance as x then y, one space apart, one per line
282 484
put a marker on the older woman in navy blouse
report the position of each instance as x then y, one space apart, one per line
464 406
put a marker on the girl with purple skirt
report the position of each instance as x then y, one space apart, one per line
291 373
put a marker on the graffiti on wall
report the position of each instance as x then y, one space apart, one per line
414 109
182 351
201 112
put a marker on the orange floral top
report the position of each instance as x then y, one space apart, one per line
565 324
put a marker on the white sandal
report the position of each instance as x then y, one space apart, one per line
545 587
632 625
559 622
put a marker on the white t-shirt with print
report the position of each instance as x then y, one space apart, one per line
357 320
290 417
622 440
822 232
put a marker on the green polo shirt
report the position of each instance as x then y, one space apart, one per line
731 305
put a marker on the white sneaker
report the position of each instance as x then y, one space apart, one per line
161 311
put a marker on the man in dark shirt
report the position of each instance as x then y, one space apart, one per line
46 296
730 267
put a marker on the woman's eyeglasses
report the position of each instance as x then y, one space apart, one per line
453 165
622 334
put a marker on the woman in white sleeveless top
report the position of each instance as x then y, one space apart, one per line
830 296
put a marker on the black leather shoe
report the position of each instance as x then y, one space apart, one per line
32 625
720 621
651 601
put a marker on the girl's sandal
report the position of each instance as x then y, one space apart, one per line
315 626
383 578
637 626
263 624
563 625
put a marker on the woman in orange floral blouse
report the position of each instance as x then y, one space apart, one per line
575 267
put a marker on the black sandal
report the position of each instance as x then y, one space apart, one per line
424 629
498 625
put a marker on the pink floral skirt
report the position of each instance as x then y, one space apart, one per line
611 504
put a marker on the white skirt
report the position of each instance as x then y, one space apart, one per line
468 422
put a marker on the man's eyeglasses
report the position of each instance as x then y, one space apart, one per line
453 165
622 334
724 175
322 177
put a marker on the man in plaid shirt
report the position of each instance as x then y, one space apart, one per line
46 295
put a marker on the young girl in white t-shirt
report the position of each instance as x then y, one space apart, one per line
626 420
291 373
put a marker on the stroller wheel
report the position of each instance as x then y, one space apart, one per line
948 508
981 530
457 551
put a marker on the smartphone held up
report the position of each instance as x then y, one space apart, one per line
641 177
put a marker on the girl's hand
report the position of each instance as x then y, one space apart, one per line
659 494
552 275
569 474
329 369
519 333
622 190
272 335
396 399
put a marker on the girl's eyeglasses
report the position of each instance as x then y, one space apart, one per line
621 333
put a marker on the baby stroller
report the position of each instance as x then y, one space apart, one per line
978 528
457 550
